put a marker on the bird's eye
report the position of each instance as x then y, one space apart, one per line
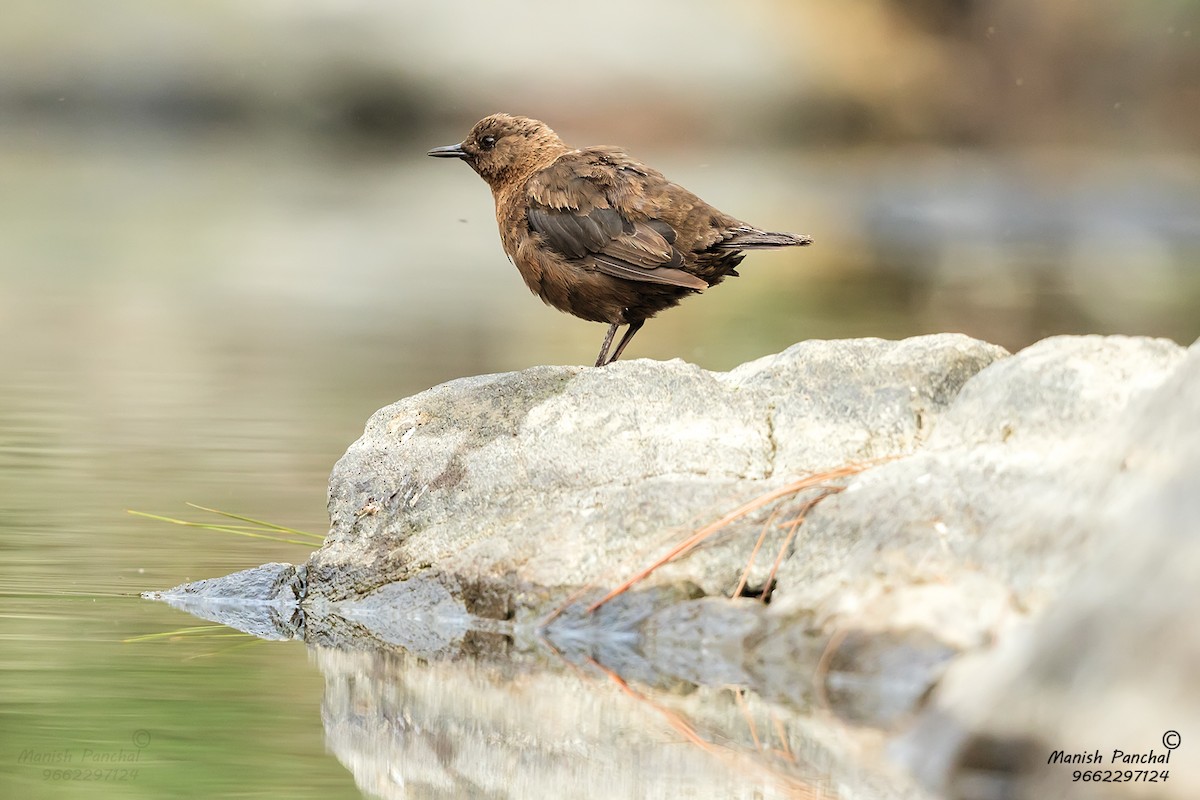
487 142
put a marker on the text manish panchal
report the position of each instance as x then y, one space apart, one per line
1113 757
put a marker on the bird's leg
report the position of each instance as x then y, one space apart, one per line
601 359
633 328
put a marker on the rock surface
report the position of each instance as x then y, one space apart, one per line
521 487
1111 663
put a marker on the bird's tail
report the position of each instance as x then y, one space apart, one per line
748 238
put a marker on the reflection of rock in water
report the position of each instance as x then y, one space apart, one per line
410 728
638 697
263 601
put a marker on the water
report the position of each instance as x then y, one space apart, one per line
212 320
88 714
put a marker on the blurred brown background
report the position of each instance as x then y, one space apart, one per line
219 232
219 226
1011 170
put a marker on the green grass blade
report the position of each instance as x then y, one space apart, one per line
221 528
259 522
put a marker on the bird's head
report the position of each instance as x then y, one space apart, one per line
502 148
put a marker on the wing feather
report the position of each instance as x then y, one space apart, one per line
572 205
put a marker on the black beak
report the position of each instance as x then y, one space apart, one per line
449 151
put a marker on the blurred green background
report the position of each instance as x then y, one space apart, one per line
222 247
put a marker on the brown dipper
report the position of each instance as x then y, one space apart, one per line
598 234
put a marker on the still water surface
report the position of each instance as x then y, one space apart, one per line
212 322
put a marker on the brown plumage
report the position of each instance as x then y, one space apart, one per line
598 234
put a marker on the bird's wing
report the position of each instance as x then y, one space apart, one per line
570 205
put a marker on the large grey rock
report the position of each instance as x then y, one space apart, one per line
505 493
984 523
1111 665
521 486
